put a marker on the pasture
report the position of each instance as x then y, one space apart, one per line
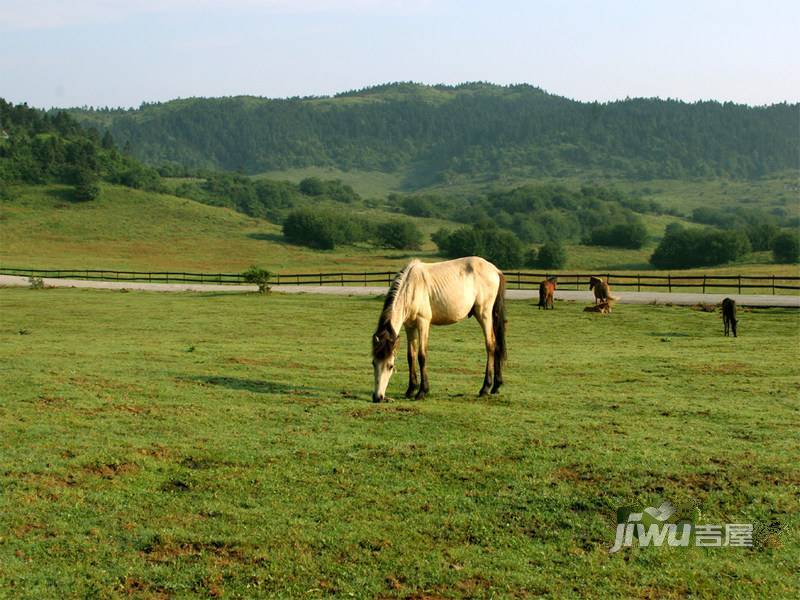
208 444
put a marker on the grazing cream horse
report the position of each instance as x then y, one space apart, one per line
441 293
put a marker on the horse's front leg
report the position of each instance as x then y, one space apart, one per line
412 335
423 328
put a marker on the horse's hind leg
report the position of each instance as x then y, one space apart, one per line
485 319
412 335
423 328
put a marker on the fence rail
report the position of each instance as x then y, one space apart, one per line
515 279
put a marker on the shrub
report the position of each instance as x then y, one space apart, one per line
324 229
552 256
86 186
786 247
258 276
762 235
312 186
622 235
400 234
495 245
681 248
309 228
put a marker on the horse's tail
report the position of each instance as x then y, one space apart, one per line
499 322
542 293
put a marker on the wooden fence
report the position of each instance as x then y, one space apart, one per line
515 279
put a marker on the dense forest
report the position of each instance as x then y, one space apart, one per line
436 133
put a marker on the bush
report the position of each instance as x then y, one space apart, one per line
683 248
258 276
309 228
762 235
786 247
324 229
400 234
623 235
312 186
86 186
495 245
552 256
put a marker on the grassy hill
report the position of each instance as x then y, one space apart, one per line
134 229
40 226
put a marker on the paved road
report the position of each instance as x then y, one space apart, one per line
679 298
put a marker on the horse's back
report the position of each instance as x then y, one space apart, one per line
455 287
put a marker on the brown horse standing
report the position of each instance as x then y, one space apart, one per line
546 291
601 289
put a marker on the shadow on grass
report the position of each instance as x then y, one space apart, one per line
65 194
256 386
267 237
669 334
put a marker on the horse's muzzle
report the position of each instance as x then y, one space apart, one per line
377 397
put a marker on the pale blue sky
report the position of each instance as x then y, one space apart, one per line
120 53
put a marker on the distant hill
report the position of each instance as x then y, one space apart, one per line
436 133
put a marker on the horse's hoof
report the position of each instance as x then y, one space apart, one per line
483 392
410 392
420 395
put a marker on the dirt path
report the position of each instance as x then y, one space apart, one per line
679 298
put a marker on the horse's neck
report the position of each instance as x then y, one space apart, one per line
399 312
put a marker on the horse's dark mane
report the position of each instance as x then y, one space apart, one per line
383 341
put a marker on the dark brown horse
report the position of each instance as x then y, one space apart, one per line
729 316
546 291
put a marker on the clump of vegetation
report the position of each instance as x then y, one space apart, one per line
686 248
36 283
552 255
632 234
496 245
786 247
260 277
86 186
325 229
401 234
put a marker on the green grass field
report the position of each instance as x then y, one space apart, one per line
158 445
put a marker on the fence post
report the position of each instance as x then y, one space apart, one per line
518 281
773 285
740 284
365 279
638 282
704 284
341 278
669 283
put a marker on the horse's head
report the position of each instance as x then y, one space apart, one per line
593 281
384 346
